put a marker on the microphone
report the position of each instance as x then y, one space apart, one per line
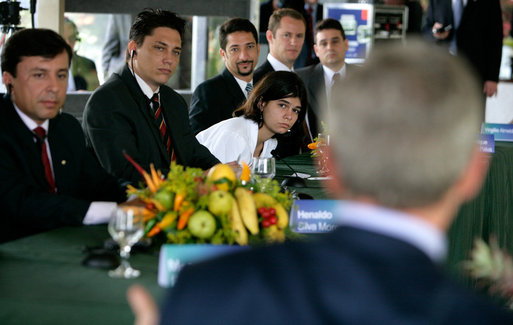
294 181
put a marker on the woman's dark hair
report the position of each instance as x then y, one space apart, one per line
275 85
32 42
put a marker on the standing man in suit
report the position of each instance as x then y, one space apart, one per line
330 47
389 164
135 112
47 176
215 99
285 35
472 28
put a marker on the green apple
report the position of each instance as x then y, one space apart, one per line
202 224
165 198
220 202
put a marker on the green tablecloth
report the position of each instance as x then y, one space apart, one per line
42 280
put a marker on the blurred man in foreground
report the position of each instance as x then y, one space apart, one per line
47 176
390 160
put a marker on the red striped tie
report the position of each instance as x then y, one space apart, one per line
41 135
159 117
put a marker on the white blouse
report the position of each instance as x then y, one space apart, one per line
234 139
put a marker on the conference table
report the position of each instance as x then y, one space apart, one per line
42 280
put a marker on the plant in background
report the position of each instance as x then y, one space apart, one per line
492 267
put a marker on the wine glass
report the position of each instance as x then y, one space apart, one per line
322 157
265 167
126 229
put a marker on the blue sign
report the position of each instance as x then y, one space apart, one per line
174 257
313 216
357 21
501 132
487 143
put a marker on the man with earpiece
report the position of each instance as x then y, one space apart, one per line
134 112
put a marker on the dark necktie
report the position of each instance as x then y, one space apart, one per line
41 135
249 88
159 117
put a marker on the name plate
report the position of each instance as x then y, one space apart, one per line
501 132
313 216
174 257
487 143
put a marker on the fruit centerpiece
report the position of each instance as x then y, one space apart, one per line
191 206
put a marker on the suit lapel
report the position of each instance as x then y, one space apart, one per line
28 148
143 105
233 87
318 87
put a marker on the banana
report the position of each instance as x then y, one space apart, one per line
273 234
241 235
282 215
247 209
263 200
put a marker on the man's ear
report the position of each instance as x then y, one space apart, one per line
223 54
8 80
472 178
315 50
269 36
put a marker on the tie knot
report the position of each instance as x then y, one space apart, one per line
40 132
309 10
336 77
155 101
249 87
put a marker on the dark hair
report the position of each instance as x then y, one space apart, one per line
235 25
329 23
277 15
275 85
32 42
149 19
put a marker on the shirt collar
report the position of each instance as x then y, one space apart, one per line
328 73
277 65
146 89
30 123
243 84
396 224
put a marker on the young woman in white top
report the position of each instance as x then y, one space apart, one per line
275 105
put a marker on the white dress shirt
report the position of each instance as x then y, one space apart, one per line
234 139
277 65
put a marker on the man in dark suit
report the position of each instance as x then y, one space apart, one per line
476 33
383 264
285 35
215 99
47 176
135 112
330 47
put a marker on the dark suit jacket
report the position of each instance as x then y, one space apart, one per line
214 101
27 205
479 36
313 77
261 71
349 276
118 117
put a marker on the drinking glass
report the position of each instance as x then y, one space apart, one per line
126 229
322 157
265 167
